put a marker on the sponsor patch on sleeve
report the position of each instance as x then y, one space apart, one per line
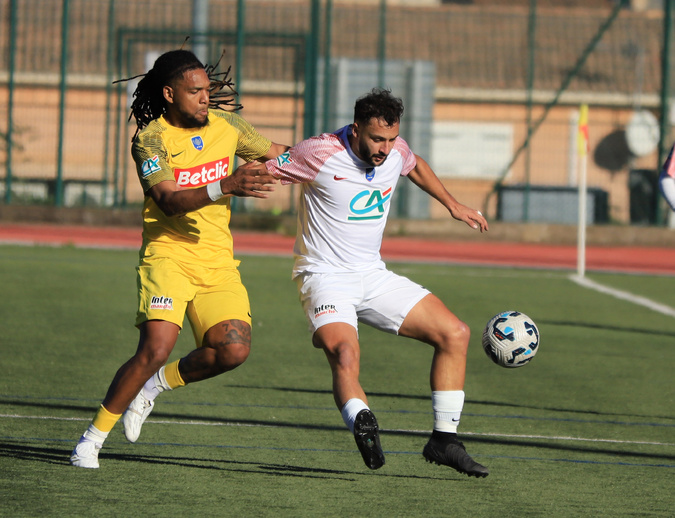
284 158
151 165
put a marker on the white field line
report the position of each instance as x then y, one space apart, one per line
421 432
624 295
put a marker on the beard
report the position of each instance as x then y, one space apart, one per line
370 159
199 123
190 120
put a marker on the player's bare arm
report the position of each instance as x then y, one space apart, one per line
425 178
274 151
174 201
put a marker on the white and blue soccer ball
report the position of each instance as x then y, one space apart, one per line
511 339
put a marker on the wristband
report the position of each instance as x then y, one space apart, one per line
214 191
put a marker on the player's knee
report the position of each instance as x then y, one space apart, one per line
455 339
232 355
153 357
231 343
343 356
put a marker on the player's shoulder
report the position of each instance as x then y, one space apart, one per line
315 151
402 146
154 127
222 114
324 141
231 118
150 137
333 139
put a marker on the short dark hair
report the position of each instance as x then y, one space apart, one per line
378 104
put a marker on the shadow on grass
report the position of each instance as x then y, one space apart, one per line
576 448
37 453
90 410
468 401
61 456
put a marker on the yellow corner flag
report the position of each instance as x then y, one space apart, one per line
582 135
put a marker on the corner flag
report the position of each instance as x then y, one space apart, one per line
582 135
582 140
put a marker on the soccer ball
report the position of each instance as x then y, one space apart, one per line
511 339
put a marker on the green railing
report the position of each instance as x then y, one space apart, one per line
526 66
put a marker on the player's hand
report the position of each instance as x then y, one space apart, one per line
472 217
249 180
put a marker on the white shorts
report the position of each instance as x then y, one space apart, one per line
379 298
667 185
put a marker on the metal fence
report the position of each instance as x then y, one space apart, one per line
492 93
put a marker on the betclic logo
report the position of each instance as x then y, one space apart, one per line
202 174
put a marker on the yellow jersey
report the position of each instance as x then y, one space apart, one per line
192 158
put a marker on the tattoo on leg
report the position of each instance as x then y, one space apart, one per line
237 332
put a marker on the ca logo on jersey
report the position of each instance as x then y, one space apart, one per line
149 166
283 159
369 204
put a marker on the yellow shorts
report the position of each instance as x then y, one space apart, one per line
168 291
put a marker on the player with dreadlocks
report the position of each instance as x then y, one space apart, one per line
184 149
149 102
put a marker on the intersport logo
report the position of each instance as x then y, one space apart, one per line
202 174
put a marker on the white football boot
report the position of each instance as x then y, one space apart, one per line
135 416
85 454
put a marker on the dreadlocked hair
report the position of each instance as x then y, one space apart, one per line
149 102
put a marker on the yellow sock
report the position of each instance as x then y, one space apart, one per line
172 376
104 420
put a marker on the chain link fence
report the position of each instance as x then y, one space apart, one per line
492 93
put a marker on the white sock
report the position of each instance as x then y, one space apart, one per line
351 410
94 434
447 405
155 385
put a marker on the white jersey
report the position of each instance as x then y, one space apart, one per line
344 202
667 179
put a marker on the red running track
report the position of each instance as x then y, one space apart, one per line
649 260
